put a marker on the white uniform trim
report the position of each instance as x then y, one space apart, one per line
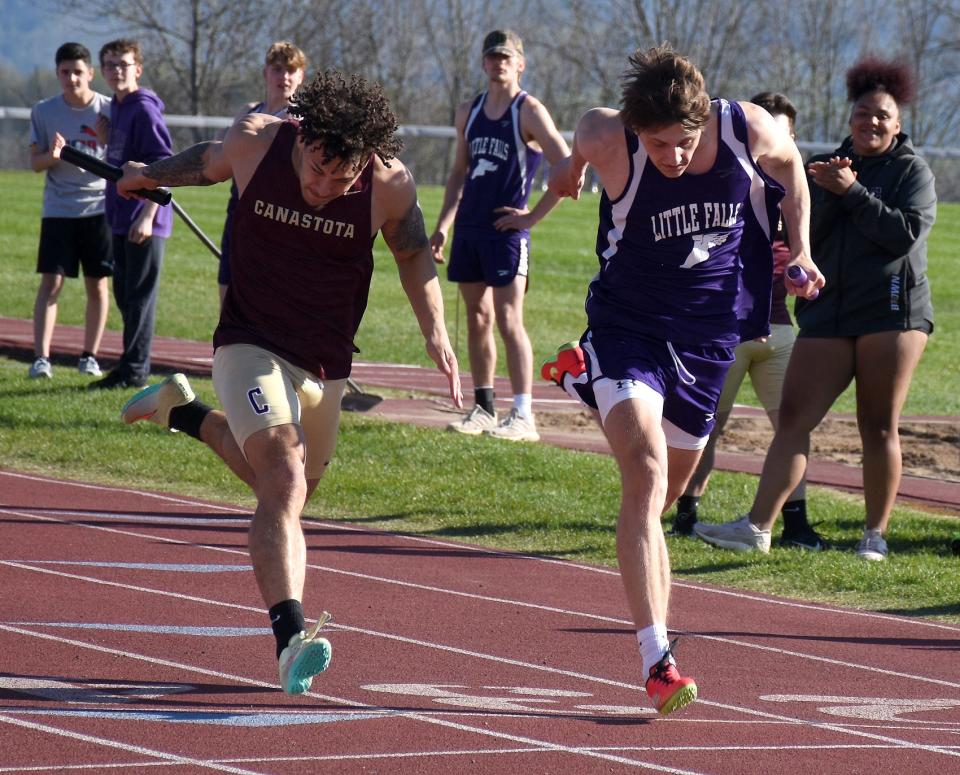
518 142
473 114
620 209
758 200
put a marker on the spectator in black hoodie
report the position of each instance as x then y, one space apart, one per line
873 204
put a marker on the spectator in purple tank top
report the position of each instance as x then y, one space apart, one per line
314 193
284 69
765 360
648 364
501 136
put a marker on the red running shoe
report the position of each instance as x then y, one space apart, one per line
667 688
569 361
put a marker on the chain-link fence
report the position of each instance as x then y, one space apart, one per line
427 152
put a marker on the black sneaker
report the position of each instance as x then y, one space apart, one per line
804 538
683 522
116 379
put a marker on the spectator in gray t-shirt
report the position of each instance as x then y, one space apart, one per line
73 229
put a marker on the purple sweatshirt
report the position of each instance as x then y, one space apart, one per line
137 133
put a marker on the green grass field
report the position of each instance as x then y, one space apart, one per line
530 498
563 261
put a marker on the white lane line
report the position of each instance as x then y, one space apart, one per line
450 754
511 602
496 600
541 745
637 748
168 519
137 749
598 569
471 654
132 766
730 707
129 490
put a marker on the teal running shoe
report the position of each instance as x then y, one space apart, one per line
155 402
305 656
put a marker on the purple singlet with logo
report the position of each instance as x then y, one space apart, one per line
501 169
688 260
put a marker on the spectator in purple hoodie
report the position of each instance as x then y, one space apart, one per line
135 131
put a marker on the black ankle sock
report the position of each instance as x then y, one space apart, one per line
687 504
189 417
86 354
794 515
286 619
483 397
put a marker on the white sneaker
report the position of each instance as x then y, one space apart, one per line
155 402
515 428
40 369
89 366
305 656
739 535
475 422
872 546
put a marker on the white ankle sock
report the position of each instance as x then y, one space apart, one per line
523 403
653 643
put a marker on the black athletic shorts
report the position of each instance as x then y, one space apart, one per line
66 244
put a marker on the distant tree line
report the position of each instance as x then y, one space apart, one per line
204 56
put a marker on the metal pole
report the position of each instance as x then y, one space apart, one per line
194 228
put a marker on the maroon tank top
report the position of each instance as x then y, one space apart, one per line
300 276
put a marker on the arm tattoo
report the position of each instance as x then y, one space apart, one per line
184 169
408 235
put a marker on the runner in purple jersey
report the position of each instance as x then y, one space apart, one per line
765 360
501 136
313 195
690 188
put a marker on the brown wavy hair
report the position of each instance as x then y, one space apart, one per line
660 88
285 54
349 117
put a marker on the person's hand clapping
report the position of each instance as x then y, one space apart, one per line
835 175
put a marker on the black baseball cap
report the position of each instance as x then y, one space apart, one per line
503 42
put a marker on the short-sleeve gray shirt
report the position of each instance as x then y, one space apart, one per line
70 192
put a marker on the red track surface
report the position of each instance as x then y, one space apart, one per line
134 637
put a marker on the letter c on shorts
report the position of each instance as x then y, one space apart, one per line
254 395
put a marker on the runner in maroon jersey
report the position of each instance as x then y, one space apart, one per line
314 192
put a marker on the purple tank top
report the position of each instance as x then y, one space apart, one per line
501 169
688 259
300 275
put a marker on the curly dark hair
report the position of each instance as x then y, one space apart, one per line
872 74
347 116
661 88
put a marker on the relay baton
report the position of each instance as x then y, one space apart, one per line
101 169
798 277
161 196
